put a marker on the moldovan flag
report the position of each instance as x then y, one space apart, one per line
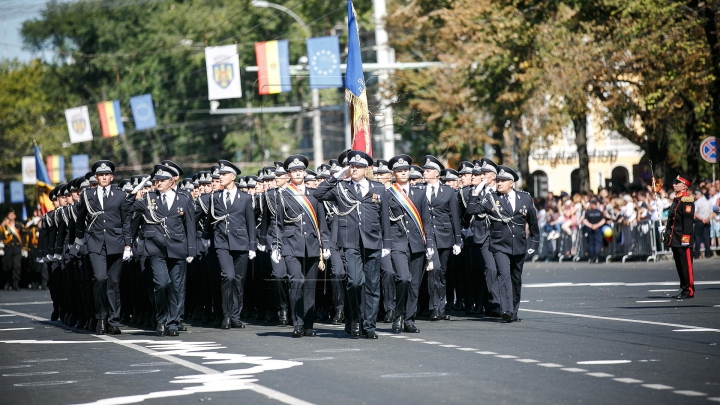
110 118
56 168
44 185
223 72
273 60
78 121
355 93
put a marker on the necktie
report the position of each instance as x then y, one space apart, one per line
227 198
106 192
432 194
357 189
164 198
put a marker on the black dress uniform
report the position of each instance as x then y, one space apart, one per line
107 233
48 236
411 242
12 238
679 234
509 213
235 241
170 239
297 233
363 231
445 215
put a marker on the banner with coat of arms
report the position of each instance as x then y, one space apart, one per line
78 122
223 72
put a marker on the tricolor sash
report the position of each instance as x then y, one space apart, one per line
14 231
305 204
409 207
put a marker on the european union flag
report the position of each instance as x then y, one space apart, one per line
143 112
324 62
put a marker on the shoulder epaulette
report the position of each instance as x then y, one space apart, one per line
687 199
522 191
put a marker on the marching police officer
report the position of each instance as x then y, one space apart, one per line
103 224
170 241
509 210
363 236
299 235
679 233
413 240
445 215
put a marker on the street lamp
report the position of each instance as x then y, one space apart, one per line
315 93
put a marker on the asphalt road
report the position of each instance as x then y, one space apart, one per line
605 334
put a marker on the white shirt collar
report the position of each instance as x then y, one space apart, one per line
170 196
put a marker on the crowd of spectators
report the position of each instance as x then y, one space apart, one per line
585 214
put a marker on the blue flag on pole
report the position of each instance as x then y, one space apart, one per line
80 165
354 78
143 112
324 62
2 192
24 213
17 192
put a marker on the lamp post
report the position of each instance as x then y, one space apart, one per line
315 93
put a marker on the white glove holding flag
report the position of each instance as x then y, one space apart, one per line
456 249
326 254
261 247
251 254
275 256
429 253
190 259
127 254
341 173
385 252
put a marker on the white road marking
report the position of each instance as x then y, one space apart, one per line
6 322
716 306
432 343
505 356
139 371
209 381
574 369
527 361
10 304
155 364
450 346
9 329
51 342
132 330
524 301
550 365
30 374
658 386
716 399
42 360
4 315
336 350
605 362
416 340
13 367
652 301
414 375
607 318
485 352
466 349
313 359
601 375
690 393
670 290
399 336
696 330
613 284
627 380
42 383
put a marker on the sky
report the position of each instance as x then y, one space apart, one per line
12 15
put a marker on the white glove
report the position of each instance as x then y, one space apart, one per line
39 260
2 245
326 254
661 228
49 257
57 256
127 254
531 251
456 249
80 241
190 259
261 247
251 254
205 242
385 252
430 265
24 253
275 256
479 188
429 253
341 173
2 252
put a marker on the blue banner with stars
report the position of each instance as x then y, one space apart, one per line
324 62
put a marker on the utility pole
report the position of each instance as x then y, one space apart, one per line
387 128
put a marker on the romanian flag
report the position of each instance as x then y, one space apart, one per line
110 118
355 92
273 60
56 169
44 185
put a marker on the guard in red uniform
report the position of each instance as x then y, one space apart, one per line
679 234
